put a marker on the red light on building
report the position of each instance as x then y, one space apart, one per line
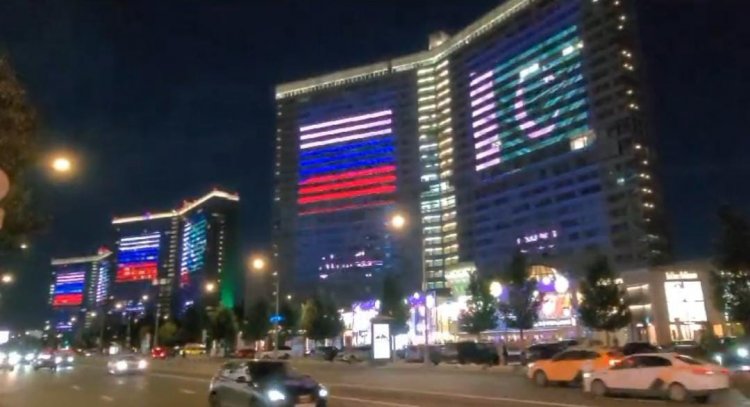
383 179
67 299
348 194
136 272
349 174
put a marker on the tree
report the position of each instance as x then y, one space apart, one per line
731 280
258 322
192 325
223 327
290 315
520 309
604 305
320 319
392 304
168 333
18 125
481 308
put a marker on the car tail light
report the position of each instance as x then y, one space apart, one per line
614 362
707 372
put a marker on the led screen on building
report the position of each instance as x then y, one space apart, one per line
138 258
69 286
347 162
194 240
523 100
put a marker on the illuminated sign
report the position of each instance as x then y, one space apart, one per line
681 275
347 163
537 237
194 243
68 287
138 258
381 341
529 100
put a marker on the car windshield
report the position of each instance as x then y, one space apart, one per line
688 360
262 370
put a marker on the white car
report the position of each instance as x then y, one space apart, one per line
283 353
678 377
128 364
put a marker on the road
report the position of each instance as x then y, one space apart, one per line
184 384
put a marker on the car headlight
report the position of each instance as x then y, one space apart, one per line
70 359
275 395
14 358
121 365
743 352
142 364
718 359
3 356
322 392
45 356
29 357
58 359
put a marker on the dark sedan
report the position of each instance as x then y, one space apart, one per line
264 383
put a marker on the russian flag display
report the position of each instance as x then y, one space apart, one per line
68 289
138 258
347 163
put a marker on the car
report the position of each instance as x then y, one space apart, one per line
53 360
543 351
9 360
245 353
631 348
569 365
355 354
264 383
732 353
159 352
126 364
327 353
193 349
284 352
671 375
481 353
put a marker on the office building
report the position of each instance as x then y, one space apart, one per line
174 259
79 289
527 130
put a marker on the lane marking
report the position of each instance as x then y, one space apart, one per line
107 399
460 396
376 402
178 377
76 387
187 391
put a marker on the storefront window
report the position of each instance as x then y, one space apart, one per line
686 307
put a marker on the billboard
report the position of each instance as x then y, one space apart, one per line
138 258
69 286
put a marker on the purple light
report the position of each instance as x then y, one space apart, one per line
480 78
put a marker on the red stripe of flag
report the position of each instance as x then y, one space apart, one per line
344 207
349 174
67 299
384 189
348 184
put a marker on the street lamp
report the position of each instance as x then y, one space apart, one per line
144 298
24 246
7 278
496 289
210 287
398 221
259 264
61 164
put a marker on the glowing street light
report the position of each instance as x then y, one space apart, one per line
210 287
7 278
258 263
24 246
144 298
398 221
118 305
61 164
496 289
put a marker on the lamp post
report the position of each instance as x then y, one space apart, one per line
259 264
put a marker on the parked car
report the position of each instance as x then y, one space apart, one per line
569 365
677 377
327 353
264 383
446 353
245 353
355 354
284 352
481 353
631 348
160 352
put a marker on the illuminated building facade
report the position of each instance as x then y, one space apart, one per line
79 288
531 134
169 260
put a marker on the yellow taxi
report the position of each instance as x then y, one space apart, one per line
569 365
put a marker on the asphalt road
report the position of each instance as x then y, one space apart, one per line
185 385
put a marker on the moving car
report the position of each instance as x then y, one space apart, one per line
245 353
678 377
733 354
126 364
327 353
544 351
264 383
631 348
193 349
569 365
53 360
284 352
9 360
159 352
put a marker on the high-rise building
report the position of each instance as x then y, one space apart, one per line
527 130
181 257
80 286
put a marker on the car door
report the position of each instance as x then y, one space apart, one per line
621 375
561 364
652 371
234 384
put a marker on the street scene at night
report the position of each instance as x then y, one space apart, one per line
374 203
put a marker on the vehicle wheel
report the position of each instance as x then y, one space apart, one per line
703 399
213 400
677 392
598 388
540 378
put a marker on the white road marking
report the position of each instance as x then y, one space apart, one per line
76 387
187 391
460 396
107 399
375 402
179 377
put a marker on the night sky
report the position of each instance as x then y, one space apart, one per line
163 100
